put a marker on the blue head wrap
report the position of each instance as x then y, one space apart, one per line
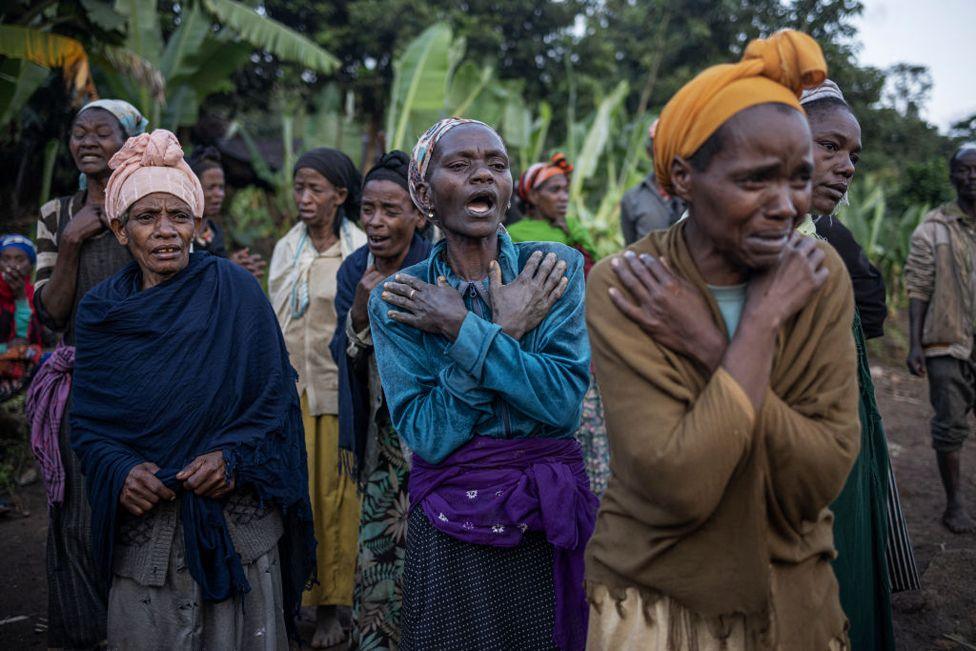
19 242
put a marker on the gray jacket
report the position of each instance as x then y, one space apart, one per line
643 209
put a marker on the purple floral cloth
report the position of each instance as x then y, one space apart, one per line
46 403
492 491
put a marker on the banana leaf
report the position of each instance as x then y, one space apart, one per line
267 34
143 34
595 141
420 84
18 81
185 41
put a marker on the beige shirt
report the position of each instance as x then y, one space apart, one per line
307 334
307 338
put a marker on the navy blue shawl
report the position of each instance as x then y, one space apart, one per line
193 365
354 382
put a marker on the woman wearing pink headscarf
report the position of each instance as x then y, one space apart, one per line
187 426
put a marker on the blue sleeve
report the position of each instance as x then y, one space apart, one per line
435 413
546 375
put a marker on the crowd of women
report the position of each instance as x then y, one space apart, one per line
410 438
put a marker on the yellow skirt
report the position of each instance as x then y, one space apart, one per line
335 506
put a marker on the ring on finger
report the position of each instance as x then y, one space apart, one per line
412 293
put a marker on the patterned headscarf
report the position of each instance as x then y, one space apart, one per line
148 163
827 90
132 121
423 152
772 70
539 173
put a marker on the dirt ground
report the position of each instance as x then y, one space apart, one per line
941 616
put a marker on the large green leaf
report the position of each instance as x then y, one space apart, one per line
184 43
143 35
267 34
596 140
420 83
468 84
102 14
18 81
209 69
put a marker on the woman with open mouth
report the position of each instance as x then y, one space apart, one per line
729 377
75 251
482 353
188 429
369 446
302 284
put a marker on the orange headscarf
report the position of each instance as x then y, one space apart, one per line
539 173
773 70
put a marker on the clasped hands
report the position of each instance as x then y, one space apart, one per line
517 307
206 476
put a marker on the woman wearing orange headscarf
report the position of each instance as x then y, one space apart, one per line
723 352
543 193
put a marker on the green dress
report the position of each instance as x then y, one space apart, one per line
540 230
861 525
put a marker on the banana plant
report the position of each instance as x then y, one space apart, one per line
30 52
199 58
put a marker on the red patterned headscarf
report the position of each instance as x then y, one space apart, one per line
539 173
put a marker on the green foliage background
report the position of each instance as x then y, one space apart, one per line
583 76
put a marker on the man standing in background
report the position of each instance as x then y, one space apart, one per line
645 207
940 276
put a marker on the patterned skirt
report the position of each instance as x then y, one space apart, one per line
475 597
378 594
592 437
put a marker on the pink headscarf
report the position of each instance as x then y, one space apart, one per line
148 163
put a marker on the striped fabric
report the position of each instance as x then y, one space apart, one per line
899 555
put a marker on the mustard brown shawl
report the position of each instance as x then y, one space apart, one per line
717 507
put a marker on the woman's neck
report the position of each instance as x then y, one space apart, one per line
391 265
558 222
322 235
150 279
469 258
714 267
96 189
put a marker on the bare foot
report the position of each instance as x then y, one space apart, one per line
957 520
328 629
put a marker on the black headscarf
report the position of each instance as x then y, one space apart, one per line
391 166
342 173
203 159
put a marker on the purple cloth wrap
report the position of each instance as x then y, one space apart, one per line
491 491
45 405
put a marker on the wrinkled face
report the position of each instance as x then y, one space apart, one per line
962 173
389 218
317 199
551 199
836 150
755 189
158 233
212 180
469 181
14 258
95 137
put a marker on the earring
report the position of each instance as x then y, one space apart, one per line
430 214
509 206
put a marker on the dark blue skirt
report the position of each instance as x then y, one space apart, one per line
475 597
